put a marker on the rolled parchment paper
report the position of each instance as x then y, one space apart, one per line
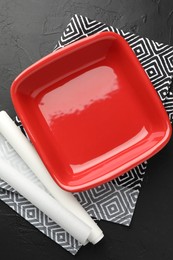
45 202
30 156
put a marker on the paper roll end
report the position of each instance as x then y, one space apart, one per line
95 238
3 113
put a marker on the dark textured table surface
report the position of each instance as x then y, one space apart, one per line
28 31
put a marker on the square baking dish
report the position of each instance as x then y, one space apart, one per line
90 111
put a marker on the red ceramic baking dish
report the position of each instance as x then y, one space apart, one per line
90 111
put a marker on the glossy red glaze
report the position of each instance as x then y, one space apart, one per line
90 111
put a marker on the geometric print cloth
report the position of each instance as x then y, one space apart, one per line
113 201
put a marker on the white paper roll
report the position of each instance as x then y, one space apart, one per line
45 202
28 153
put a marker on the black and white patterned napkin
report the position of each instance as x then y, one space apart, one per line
113 201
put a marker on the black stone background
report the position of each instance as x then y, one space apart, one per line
28 30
